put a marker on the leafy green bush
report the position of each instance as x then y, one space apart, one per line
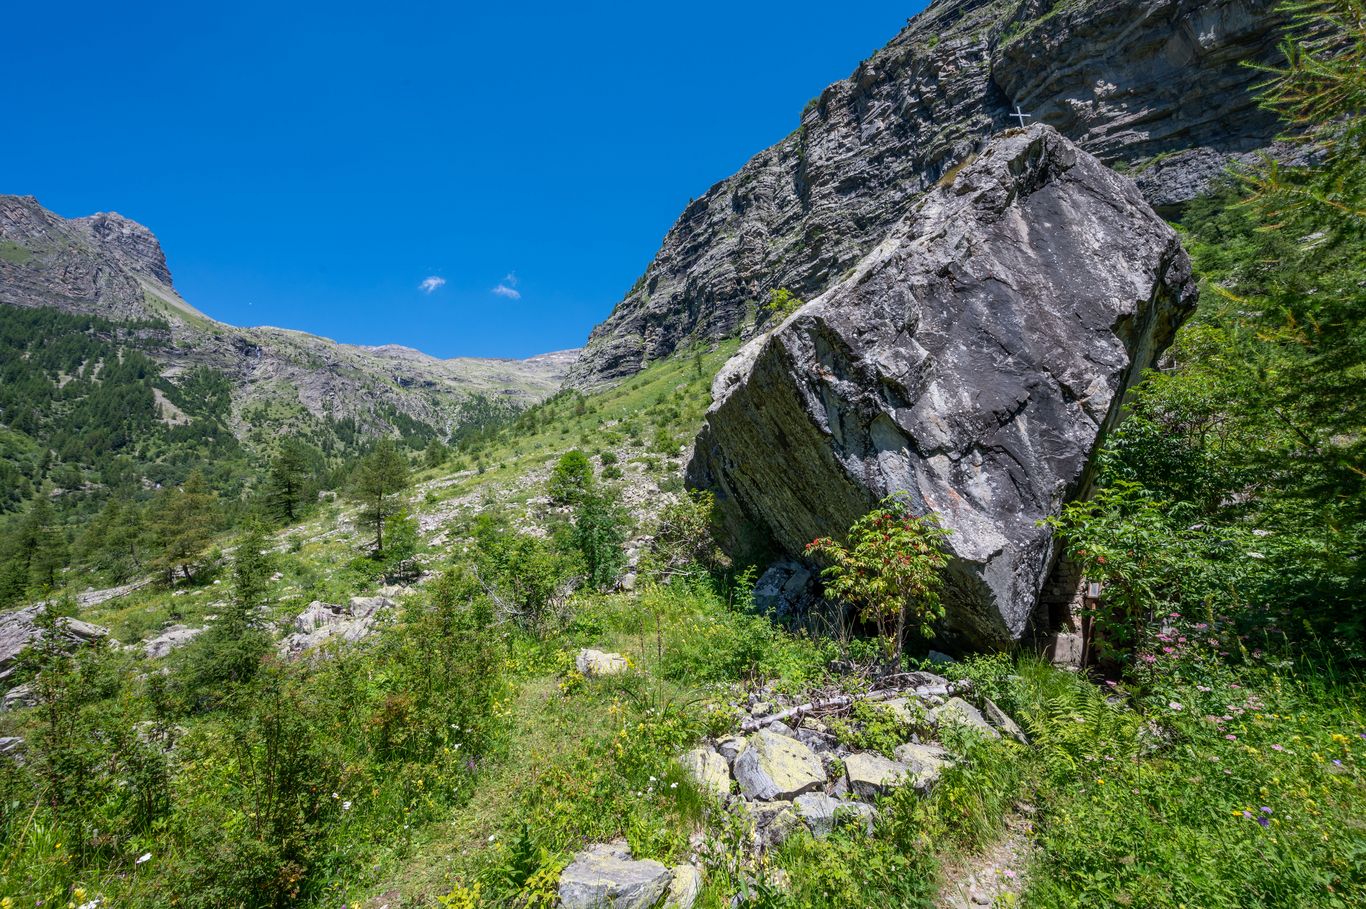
571 478
890 569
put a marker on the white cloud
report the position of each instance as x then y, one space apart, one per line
431 283
508 287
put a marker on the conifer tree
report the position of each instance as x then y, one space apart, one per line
230 650
183 524
378 485
45 543
287 483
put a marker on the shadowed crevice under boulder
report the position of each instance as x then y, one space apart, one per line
973 361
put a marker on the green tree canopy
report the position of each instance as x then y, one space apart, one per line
184 521
571 479
378 485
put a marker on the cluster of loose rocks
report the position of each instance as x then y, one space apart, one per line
787 770
790 770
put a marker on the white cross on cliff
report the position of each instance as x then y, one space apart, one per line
1021 115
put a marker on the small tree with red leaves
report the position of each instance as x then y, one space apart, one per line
890 569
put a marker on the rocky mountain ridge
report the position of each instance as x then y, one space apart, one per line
109 266
1154 87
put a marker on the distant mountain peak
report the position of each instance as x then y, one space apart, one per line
133 244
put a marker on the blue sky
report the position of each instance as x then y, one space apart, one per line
311 165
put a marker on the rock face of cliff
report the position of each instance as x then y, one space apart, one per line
973 361
109 266
1154 87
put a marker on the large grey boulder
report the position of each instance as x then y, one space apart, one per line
972 363
606 877
777 767
19 629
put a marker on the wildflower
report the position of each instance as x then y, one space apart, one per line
492 837
1175 705
1337 762
346 805
1265 810
1231 737
1277 748
145 857
673 785
1264 822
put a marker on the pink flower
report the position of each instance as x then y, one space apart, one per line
1231 737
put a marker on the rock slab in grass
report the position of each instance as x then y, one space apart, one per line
925 762
777 767
322 622
606 877
19 629
598 663
684 887
773 821
731 746
708 769
818 810
1002 721
871 775
171 639
960 712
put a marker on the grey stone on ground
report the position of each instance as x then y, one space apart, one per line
865 813
172 638
322 622
998 718
973 362
926 762
871 775
606 877
777 767
773 821
12 747
708 769
19 629
782 587
595 663
730 746
683 888
959 711
822 813
19 696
